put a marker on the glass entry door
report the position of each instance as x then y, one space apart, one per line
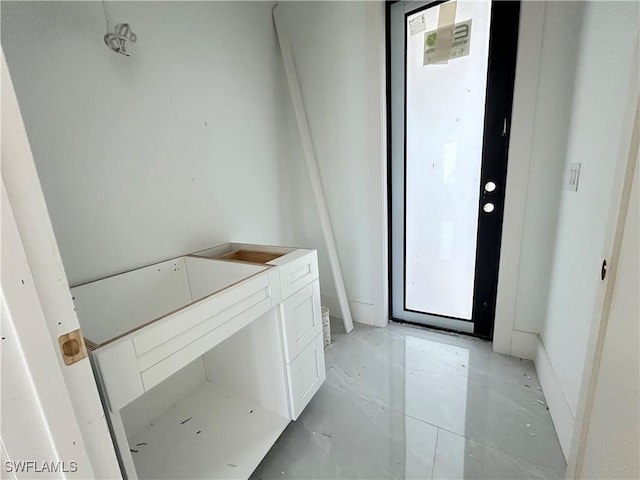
451 91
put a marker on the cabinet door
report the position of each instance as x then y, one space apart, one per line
298 273
305 376
302 320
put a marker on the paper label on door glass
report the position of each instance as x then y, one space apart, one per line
459 46
417 25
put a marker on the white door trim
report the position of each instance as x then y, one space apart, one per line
38 421
24 193
515 203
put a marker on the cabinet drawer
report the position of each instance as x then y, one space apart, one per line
298 273
302 320
305 376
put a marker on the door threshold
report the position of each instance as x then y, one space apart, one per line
439 329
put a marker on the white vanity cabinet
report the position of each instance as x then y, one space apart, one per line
204 359
304 348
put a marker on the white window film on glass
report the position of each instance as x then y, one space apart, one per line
445 106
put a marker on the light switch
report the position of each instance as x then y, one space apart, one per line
573 176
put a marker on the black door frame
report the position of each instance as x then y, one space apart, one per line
501 67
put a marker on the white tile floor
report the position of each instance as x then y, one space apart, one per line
406 402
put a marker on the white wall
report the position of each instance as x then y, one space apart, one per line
338 51
545 106
561 36
168 151
600 96
549 279
613 436
192 141
547 56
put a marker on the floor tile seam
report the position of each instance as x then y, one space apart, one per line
478 441
474 386
372 402
381 403
391 408
435 452
436 426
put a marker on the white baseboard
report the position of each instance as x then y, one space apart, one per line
561 413
360 312
524 344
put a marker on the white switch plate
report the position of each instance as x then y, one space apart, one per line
573 177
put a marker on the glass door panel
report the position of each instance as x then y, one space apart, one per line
445 100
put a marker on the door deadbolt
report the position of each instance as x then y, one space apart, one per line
603 270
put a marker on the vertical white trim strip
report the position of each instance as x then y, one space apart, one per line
525 95
312 165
